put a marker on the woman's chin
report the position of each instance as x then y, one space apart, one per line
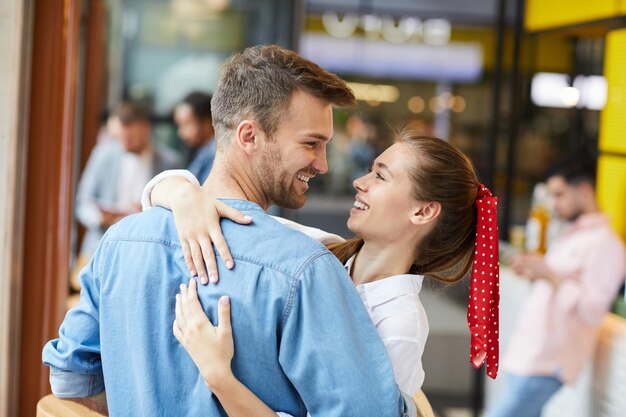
352 225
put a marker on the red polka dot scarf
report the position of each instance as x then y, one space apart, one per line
482 310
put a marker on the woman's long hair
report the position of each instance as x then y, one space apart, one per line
440 173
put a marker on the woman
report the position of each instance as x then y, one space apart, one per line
415 214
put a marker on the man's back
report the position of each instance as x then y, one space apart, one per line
302 337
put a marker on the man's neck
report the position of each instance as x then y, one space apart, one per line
234 183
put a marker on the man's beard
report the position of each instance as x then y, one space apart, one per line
276 182
574 216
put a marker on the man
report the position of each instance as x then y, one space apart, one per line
195 127
572 289
110 187
304 341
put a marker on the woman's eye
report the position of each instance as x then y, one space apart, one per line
379 176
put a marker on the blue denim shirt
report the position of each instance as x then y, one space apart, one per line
303 339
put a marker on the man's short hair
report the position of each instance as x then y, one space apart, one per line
129 112
200 103
259 83
576 168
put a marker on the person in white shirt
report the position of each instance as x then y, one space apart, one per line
110 186
414 215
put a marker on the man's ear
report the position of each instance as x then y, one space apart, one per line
425 213
247 136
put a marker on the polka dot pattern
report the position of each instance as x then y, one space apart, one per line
484 299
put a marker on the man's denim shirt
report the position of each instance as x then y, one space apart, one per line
303 339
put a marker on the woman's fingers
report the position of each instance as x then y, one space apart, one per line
178 333
209 259
180 317
191 305
224 327
198 261
235 215
221 245
224 210
187 255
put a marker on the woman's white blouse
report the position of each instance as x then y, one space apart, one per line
394 306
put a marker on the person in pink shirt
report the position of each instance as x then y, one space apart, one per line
573 286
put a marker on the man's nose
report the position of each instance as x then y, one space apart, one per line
320 163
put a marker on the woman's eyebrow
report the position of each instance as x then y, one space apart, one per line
384 167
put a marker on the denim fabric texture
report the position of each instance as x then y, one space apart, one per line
524 396
303 339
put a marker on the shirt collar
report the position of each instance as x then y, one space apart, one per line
381 291
590 220
241 204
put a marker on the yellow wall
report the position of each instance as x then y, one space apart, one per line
612 190
613 119
546 14
612 164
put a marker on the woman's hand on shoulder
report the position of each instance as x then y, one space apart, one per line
197 218
211 347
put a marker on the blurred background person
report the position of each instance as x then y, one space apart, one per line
195 126
110 187
110 129
573 287
361 153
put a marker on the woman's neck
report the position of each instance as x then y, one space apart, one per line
375 262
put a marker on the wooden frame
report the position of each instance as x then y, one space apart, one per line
49 196
14 82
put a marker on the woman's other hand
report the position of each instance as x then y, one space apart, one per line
211 348
197 219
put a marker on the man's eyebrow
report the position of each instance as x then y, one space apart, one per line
318 136
384 167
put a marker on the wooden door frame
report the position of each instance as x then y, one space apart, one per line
15 84
49 189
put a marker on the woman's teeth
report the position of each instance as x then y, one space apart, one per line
361 206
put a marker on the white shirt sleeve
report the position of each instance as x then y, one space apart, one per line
146 201
320 235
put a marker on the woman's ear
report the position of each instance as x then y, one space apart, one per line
246 136
426 213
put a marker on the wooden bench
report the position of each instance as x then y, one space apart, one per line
51 406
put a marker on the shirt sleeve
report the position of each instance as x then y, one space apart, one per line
320 235
589 295
146 201
330 349
74 357
87 210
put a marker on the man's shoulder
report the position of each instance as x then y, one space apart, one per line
107 151
272 244
602 235
153 225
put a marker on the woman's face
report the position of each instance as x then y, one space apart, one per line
384 204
